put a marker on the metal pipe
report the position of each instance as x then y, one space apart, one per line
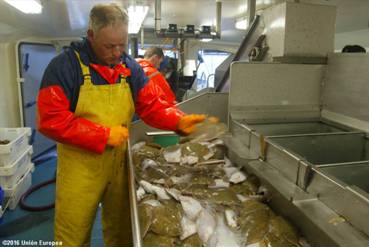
157 16
251 10
218 18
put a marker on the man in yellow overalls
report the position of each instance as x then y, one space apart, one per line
87 98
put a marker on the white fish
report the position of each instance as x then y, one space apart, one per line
137 146
242 198
231 218
191 207
223 236
173 156
159 181
219 183
208 155
153 189
189 159
181 179
216 142
152 202
147 186
146 163
227 162
140 193
174 193
230 170
205 225
188 228
237 177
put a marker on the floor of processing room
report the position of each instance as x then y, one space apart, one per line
20 224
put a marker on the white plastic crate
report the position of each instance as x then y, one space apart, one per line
10 175
14 194
19 138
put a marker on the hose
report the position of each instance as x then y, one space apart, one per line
22 202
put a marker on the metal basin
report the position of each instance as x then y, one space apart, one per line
251 135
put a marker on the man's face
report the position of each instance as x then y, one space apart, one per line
109 43
156 61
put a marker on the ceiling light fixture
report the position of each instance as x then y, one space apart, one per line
136 15
26 6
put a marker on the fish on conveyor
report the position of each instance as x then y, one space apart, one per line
254 221
172 154
206 225
145 216
192 241
155 240
191 207
223 236
154 189
167 219
188 227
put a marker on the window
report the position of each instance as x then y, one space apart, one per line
208 61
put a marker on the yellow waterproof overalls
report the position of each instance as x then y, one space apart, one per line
84 179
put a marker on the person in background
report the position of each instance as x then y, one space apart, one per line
353 49
87 97
153 58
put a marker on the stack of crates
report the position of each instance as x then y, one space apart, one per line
15 163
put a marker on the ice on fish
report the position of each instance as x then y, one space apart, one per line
208 155
153 189
228 163
159 181
173 156
219 183
216 142
237 177
191 207
242 198
148 163
188 228
181 179
231 218
174 193
137 146
140 193
223 236
154 203
147 186
205 225
189 159
230 170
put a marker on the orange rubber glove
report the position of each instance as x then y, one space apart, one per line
118 135
187 123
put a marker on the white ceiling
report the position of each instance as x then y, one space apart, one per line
66 18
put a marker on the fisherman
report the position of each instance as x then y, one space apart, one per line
153 58
87 98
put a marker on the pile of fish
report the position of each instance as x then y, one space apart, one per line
191 195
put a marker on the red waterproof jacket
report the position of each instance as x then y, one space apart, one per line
58 97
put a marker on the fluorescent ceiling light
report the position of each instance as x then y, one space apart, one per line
242 24
26 6
206 40
136 16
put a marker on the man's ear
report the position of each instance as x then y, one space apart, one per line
90 34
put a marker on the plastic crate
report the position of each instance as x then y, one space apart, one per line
19 138
14 194
10 175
